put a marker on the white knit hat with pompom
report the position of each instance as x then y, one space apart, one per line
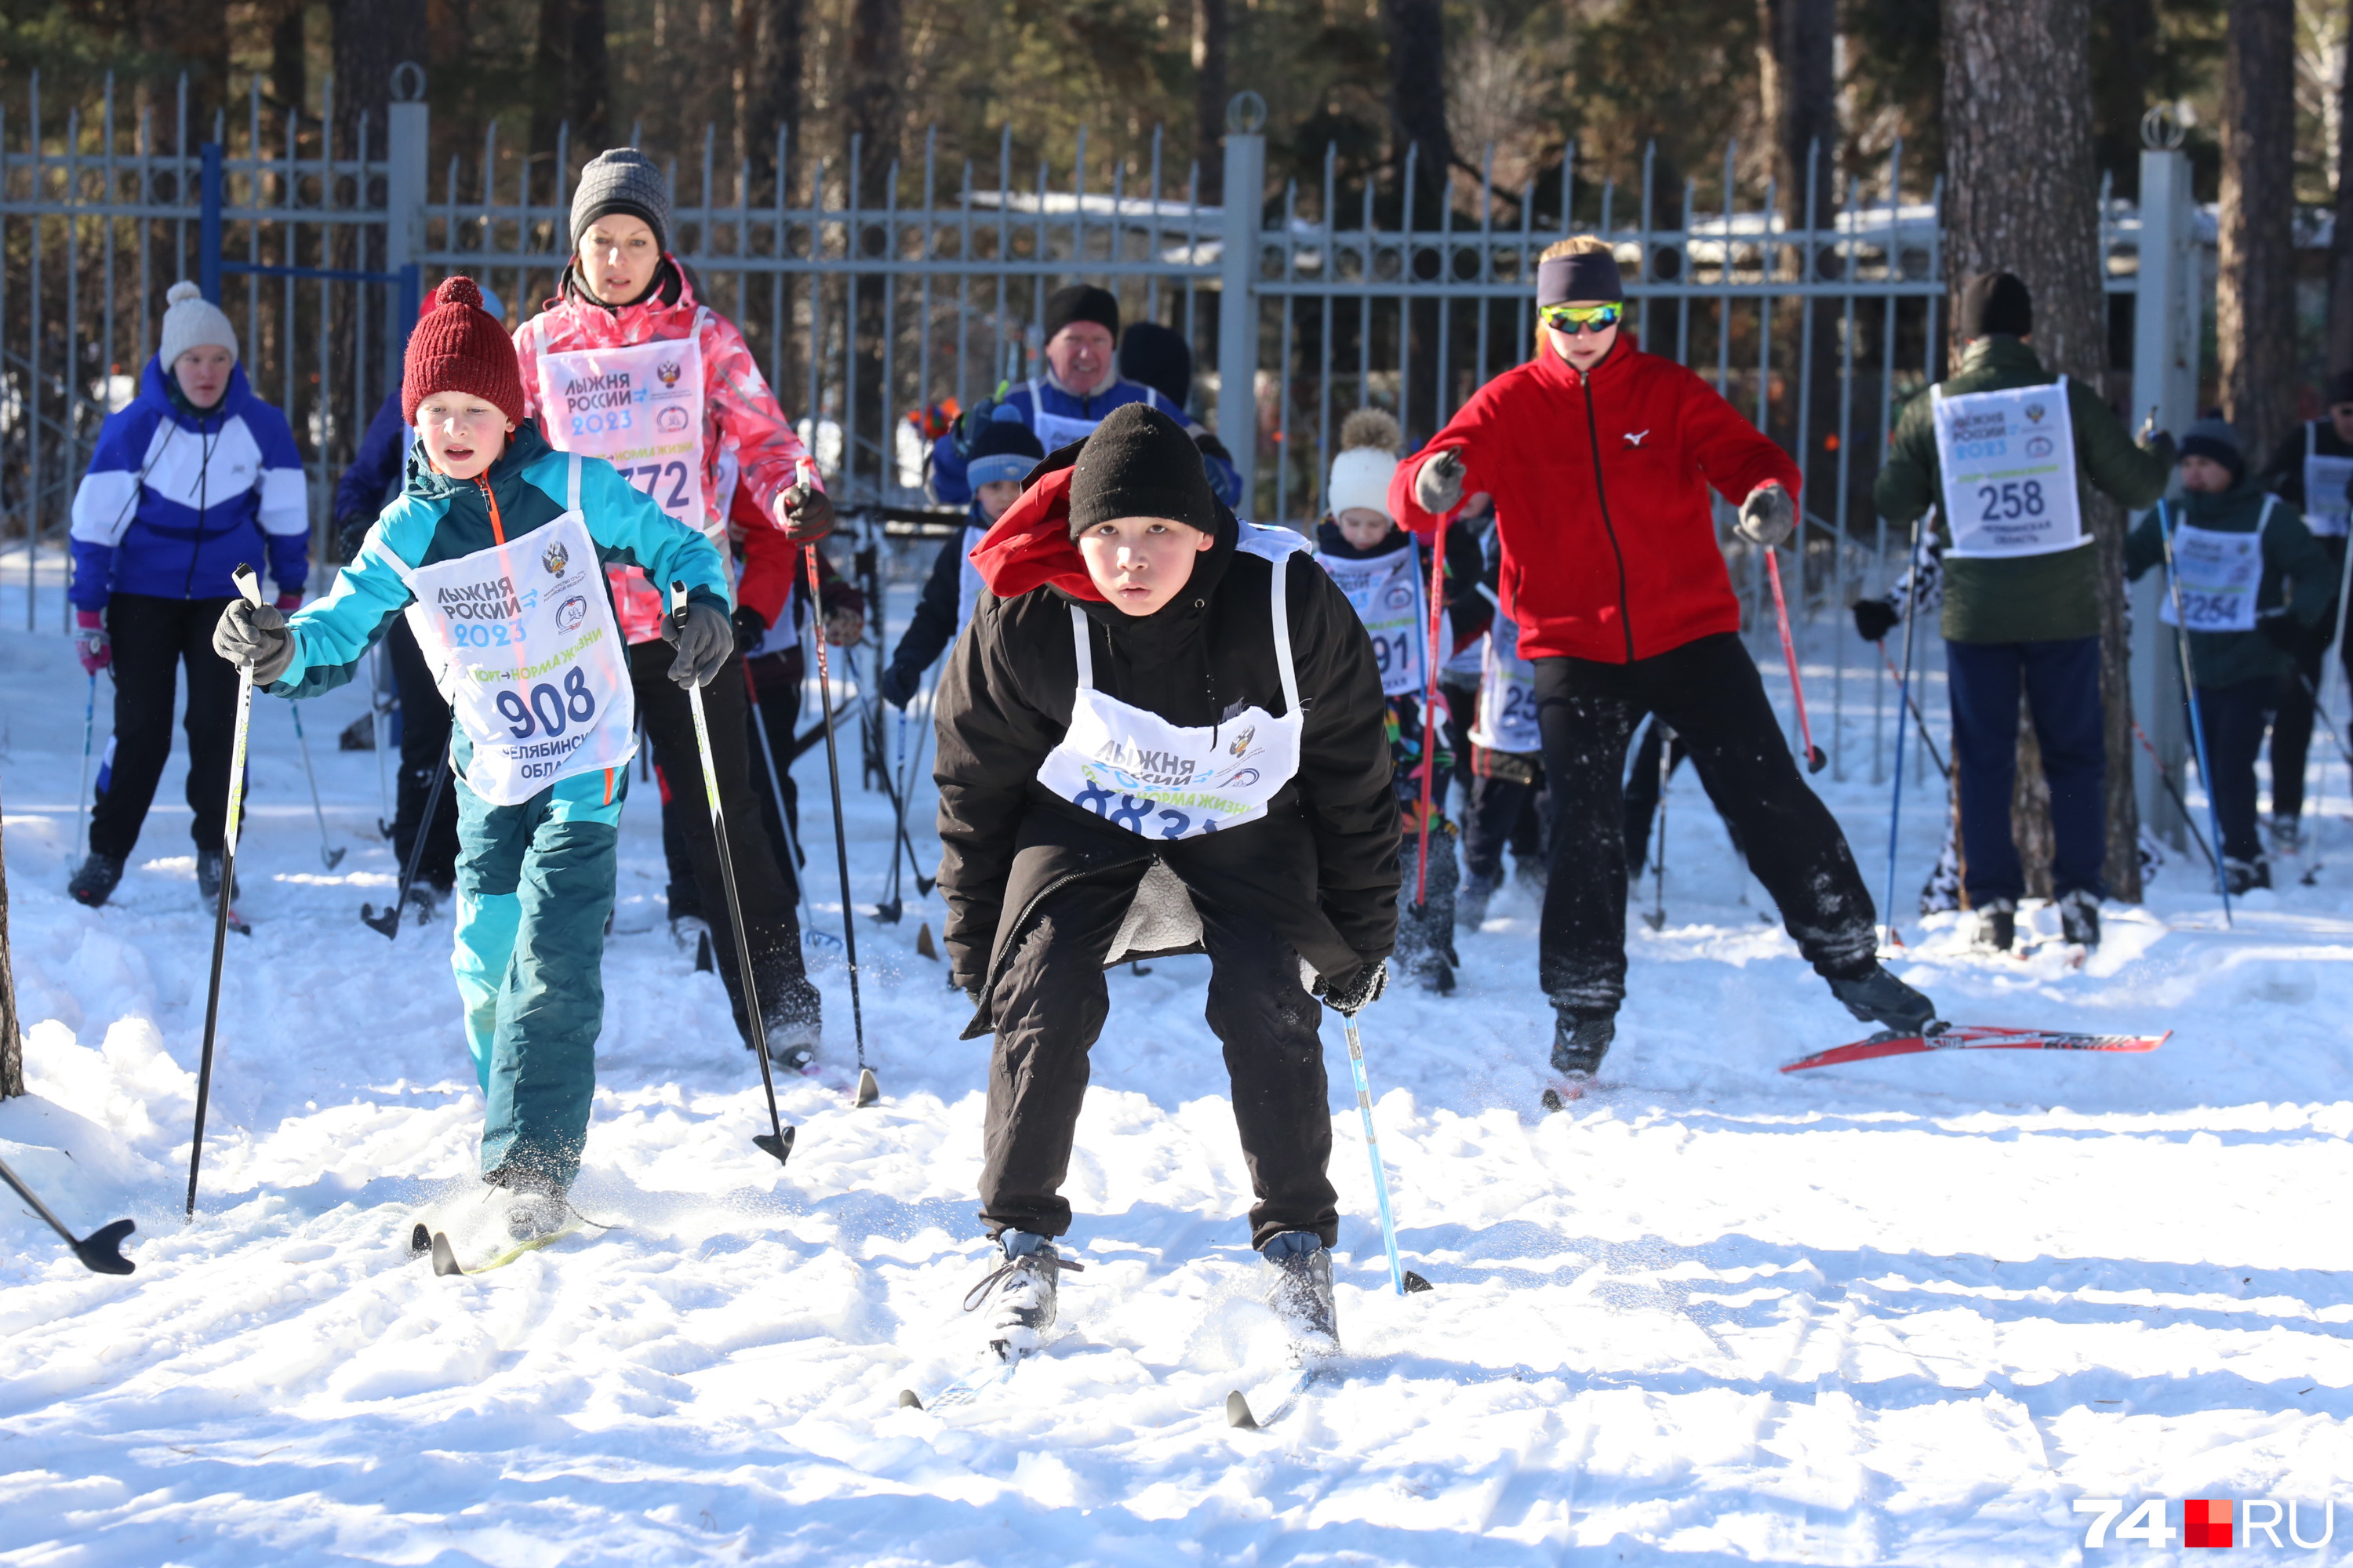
190 321
1370 440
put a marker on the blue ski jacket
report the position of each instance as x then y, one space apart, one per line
437 518
949 486
175 501
375 468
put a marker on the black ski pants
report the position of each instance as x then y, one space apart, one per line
424 740
2292 722
2233 718
1504 814
770 920
1709 693
776 698
153 638
1050 1002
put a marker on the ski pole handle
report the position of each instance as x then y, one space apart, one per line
246 583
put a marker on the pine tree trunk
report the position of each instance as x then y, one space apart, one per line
2340 245
12 1035
1798 39
2021 196
1209 97
767 85
574 79
2254 291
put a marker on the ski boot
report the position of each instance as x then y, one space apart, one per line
2241 877
1024 1289
2079 918
1998 925
1300 1294
1471 901
1577 1046
1434 974
1877 997
422 904
2287 835
94 883
535 1205
209 880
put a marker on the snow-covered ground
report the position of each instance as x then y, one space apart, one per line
1905 1311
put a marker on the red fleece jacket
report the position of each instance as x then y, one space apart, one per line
1600 484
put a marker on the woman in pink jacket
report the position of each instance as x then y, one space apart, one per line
627 365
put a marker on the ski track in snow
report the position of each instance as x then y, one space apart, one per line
1899 1311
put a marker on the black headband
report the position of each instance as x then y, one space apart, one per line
1589 275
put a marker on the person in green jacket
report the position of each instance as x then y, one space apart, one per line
2250 582
2006 452
495 551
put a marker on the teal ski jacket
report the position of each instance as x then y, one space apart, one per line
437 518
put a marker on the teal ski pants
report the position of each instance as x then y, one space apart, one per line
534 887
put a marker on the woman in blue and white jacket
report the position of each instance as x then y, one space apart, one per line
196 478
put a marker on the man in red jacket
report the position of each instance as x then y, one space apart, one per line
1600 458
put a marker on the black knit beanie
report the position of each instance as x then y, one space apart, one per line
1082 302
2340 388
1139 463
1994 305
2216 440
1159 357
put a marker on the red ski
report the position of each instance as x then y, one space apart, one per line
1977 1037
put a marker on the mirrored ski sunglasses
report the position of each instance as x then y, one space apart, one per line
1574 318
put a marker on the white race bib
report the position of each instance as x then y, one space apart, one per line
1387 593
2218 574
2325 510
1161 780
524 645
1507 695
2009 462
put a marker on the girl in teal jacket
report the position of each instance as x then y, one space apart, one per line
495 551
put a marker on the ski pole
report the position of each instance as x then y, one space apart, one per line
1913 703
1816 757
100 1251
380 730
777 1140
82 797
1904 690
1658 921
1430 716
2326 722
783 818
1402 1280
332 856
868 1093
2197 720
2181 805
389 921
250 587
888 910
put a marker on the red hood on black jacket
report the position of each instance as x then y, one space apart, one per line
1601 487
1029 544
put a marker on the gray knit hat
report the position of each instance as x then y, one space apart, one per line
190 321
2216 440
622 180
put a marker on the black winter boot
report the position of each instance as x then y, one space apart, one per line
1301 1293
1998 925
208 879
95 883
2079 918
1580 1044
1877 997
1023 1287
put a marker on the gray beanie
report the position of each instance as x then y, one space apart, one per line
622 180
190 321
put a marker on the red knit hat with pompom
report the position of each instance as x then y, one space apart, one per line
457 346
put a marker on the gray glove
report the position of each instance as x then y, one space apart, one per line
255 634
1438 487
1351 994
703 644
1768 517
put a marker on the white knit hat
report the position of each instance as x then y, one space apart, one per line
190 321
1360 475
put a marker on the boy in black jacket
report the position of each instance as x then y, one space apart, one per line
1138 755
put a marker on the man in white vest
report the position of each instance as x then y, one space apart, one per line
2005 451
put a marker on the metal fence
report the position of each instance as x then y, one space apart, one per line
875 302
